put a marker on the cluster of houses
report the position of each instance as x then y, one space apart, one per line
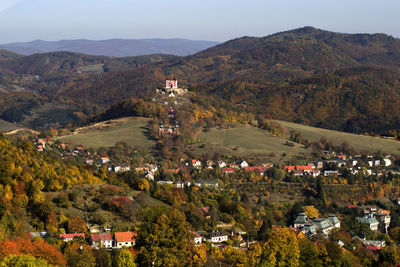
376 219
356 164
311 227
105 240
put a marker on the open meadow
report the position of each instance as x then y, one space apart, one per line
360 143
133 131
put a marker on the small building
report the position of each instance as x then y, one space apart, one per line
197 238
289 168
228 170
165 182
150 176
301 220
369 220
182 184
124 239
70 237
244 164
324 225
217 237
330 173
315 173
386 162
196 164
104 160
334 220
383 217
122 168
221 164
103 240
206 183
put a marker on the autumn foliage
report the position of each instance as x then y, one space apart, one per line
39 248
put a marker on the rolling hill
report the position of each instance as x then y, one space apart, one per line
239 141
113 47
347 82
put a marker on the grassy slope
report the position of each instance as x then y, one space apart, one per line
358 142
6 126
247 142
129 130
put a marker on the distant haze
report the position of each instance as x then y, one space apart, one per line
113 47
221 20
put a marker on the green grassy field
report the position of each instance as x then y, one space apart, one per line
130 130
359 142
247 142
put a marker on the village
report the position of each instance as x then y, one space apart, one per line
332 165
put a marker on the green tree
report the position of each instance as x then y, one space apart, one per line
163 238
124 258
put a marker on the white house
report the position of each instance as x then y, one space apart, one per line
369 220
101 240
387 162
196 164
301 220
217 237
244 164
197 238
124 239
221 164
334 220
104 160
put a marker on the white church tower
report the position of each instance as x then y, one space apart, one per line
171 83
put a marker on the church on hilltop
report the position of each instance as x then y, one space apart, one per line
171 87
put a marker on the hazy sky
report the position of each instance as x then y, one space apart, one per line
219 20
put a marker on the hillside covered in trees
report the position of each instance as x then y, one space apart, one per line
304 75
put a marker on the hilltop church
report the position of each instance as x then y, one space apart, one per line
171 87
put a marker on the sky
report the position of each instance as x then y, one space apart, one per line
214 20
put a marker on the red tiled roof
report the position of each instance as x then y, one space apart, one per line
67 236
125 236
257 168
194 234
373 248
101 237
228 170
309 168
289 168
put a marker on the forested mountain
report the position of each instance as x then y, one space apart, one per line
306 75
113 47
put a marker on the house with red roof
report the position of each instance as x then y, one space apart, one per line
70 237
289 168
228 170
124 239
101 240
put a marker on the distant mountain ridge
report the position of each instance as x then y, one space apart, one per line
112 47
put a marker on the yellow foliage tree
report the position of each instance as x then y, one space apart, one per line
311 212
281 248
